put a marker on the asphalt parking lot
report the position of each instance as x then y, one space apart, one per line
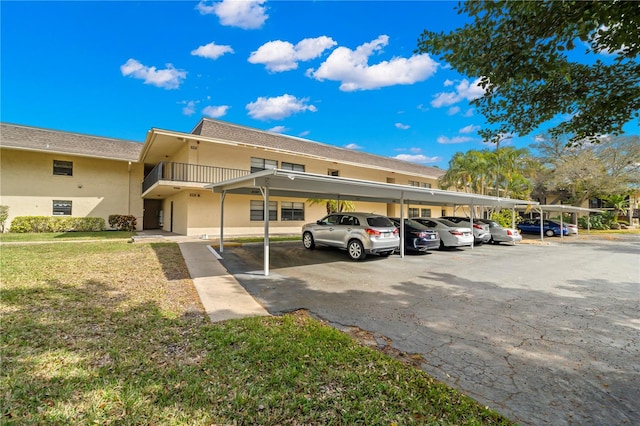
544 333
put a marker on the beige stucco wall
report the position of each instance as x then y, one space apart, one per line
197 212
98 187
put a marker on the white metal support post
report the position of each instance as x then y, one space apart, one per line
473 241
265 195
222 196
402 233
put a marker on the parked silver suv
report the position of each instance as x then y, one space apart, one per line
358 233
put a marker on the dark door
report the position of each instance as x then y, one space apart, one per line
151 218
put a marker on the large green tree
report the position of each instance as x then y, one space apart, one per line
608 168
523 53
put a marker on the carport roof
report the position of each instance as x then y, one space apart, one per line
286 183
561 208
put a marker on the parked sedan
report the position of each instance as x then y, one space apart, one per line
550 228
417 237
481 231
500 234
358 233
451 235
571 229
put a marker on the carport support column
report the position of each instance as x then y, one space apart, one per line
473 241
265 195
402 236
222 196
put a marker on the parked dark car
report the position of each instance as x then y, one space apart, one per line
549 227
417 237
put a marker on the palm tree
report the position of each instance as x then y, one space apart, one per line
334 206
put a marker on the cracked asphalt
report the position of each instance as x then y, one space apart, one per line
543 333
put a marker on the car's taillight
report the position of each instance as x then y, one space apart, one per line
420 234
374 232
475 225
509 232
455 232
396 231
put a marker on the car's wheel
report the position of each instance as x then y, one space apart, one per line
356 250
549 233
307 241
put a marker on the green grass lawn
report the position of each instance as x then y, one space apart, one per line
114 333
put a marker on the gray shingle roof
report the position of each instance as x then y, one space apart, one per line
56 141
232 132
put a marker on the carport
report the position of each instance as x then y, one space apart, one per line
561 208
286 183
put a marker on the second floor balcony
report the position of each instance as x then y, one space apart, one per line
168 177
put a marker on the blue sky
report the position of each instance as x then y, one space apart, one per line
340 73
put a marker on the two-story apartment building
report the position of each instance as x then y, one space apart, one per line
162 181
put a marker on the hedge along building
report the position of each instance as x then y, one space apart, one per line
162 182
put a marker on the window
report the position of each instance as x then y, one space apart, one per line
425 212
291 211
292 166
61 208
332 172
443 212
257 210
414 212
419 184
62 168
259 164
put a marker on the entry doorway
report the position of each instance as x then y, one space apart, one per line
152 218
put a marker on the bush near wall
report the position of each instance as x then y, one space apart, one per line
123 222
24 224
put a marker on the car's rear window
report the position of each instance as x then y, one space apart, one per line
415 224
448 223
379 221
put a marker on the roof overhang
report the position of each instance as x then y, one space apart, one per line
285 183
560 208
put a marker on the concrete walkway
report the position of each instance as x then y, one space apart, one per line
221 294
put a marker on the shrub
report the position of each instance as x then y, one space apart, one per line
503 217
122 222
24 224
598 221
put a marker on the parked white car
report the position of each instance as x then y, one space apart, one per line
571 229
500 234
451 234
481 231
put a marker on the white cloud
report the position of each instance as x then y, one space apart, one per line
353 146
448 83
419 158
168 78
470 129
455 139
277 129
245 14
215 111
402 126
469 113
278 107
212 50
281 55
305 133
352 69
415 150
464 90
453 110
189 107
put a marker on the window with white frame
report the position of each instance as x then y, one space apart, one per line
291 211
62 168
419 184
259 164
292 166
425 212
414 212
61 208
257 210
